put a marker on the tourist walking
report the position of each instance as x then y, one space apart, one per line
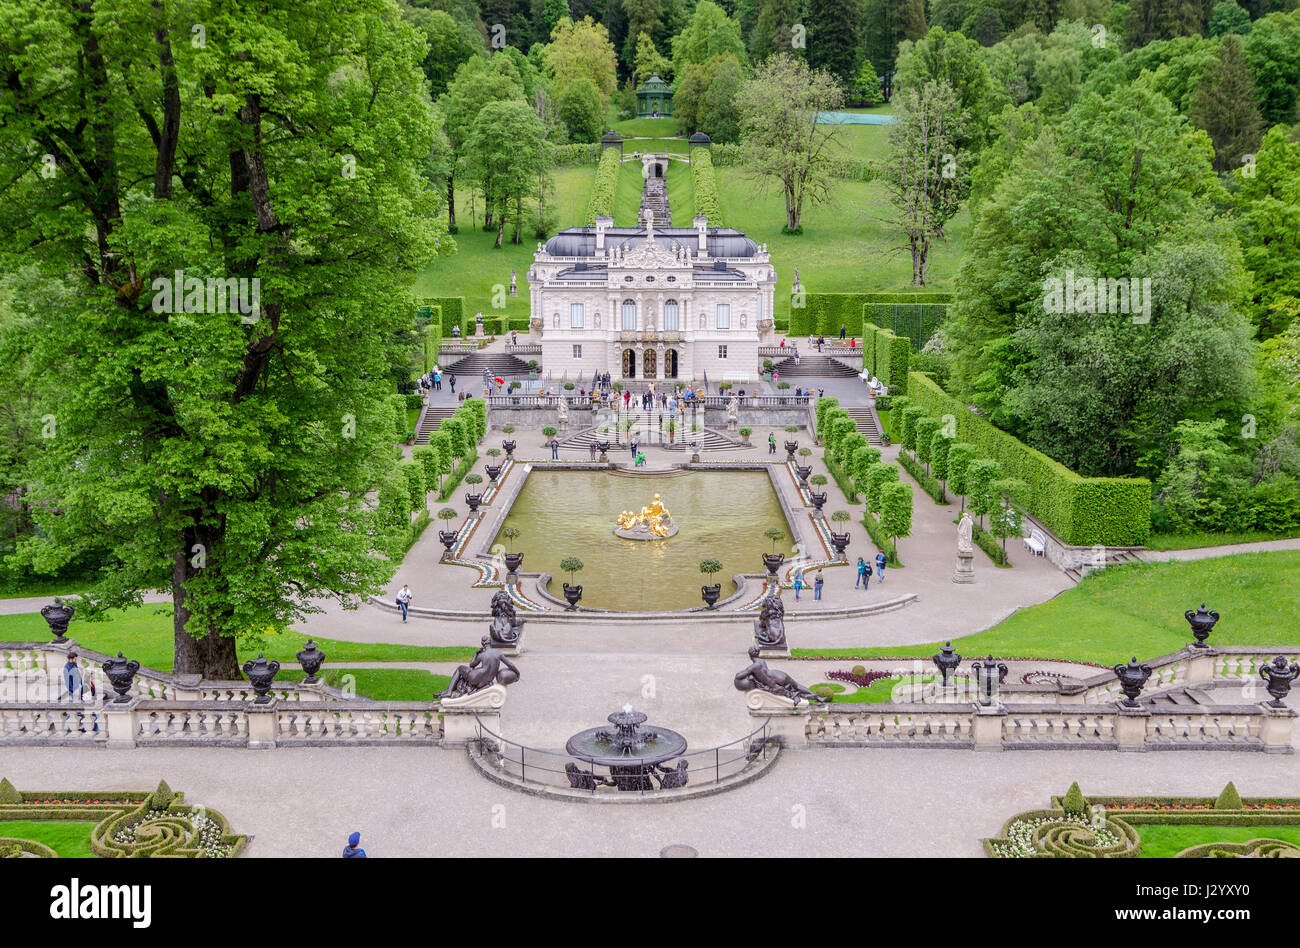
631 443
798 585
843 331
880 567
453 383
796 356
404 600
591 448
864 574
771 443
817 587
555 448
437 381
353 849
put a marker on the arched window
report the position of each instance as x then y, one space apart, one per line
629 316
670 316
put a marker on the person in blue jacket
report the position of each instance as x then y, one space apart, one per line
880 567
353 849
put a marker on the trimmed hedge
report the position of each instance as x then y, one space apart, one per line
882 542
928 484
457 476
1082 511
517 324
705 184
989 544
837 472
601 202
891 358
583 153
823 313
916 321
453 312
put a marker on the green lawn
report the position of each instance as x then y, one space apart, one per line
69 838
681 193
1160 841
381 684
145 634
1138 610
1189 541
645 128
627 196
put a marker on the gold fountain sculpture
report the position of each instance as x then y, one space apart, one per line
654 516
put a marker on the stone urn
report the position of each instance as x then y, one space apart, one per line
493 471
803 471
261 673
474 500
1202 623
311 658
711 594
603 448
120 672
448 538
1279 676
790 448
818 500
840 541
572 594
509 448
988 675
1132 677
514 561
772 562
58 614
946 661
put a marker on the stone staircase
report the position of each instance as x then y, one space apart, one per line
1113 558
430 419
654 199
868 424
473 366
814 366
648 432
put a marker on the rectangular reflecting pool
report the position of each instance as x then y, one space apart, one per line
719 514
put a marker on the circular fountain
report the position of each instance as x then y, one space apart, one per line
631 752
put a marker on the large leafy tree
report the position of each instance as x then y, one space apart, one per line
1124 189
950 58
225 456
582 50
476 83
1225 107
1268 221
709 33
774 29
1273 51
508 154
834 37
781 135
448 46
885 24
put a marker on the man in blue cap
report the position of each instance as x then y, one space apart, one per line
353 849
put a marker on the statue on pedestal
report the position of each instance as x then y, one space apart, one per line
769 627
487 667
759 676
965 572
506 626
514 286
796 279
733 410
564 413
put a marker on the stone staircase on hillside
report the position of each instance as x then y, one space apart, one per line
814 366
430 419
473 366
867 422
1113 558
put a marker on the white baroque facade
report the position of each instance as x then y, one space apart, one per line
646 303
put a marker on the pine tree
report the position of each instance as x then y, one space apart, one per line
833 37
774 30
1225 106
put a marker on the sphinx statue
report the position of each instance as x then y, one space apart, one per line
506 626
769 627
758 675
487 667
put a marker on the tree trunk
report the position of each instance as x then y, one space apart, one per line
519 216
487 211
501 228
451 201
212 656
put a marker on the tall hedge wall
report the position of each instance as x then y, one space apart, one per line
916 321
1082 511
823 313
891 357
705 183
601 202
453 313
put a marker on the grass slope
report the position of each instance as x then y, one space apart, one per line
627 196
145 634
1138 610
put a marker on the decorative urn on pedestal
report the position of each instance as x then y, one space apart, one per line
772 562
514 561
946 661
840 541
988 675
120 673
1132 678
603 448
818 500
260 674
448 538
311 658
572 594
1202 623
474 500
493 472
803 471
790 448
710 594
509 448
58 614
1279 676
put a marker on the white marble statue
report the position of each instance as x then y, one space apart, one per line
964 544
564 412
733 409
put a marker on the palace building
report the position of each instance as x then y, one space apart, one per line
647 303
